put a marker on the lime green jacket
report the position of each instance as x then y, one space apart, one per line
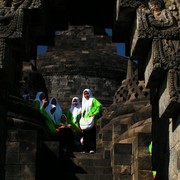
49 122
75 125
95 109
36 104
150 151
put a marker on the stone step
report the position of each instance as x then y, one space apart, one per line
94 176
92 162
81 155
96 170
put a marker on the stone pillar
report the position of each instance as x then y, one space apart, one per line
3 129
129 69
21 154
3 121
121 160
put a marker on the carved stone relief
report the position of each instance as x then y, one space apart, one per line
128 3
165 48
158 24
169 102
11 21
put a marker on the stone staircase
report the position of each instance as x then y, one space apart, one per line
95 166
75 166
123 137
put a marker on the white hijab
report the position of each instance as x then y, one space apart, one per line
75 110
87 103
48 110
39 96
58 112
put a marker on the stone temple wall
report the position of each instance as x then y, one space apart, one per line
82 60
174 146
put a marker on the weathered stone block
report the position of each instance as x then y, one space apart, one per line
134 166
107 135
144 139
14 177
107 154
122 148
178 160
12 135
27 146
27 135
12 146
140 39
169 102
21 154
13 170
104 121
53 146
155 70
107 144
122 177
27 158
144 174
122 169
122 159
119 128
28 171
12 158
144 163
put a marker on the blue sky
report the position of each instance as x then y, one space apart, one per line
41 49
120 46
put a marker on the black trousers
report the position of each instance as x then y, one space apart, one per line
89 137
66 139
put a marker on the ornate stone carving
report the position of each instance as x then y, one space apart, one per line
169 102
162 20
162 58
129 3
174 79
156 24
11 21
160 23
165 48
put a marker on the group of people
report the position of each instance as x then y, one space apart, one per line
65 125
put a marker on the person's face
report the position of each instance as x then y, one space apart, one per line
53 101
75 103
86 95
42 96
53 110
63 119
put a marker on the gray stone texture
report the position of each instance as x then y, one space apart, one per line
21 154
82 60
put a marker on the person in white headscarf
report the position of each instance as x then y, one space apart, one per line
51 109
48 112
91 107
40 97
73 115
58 112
